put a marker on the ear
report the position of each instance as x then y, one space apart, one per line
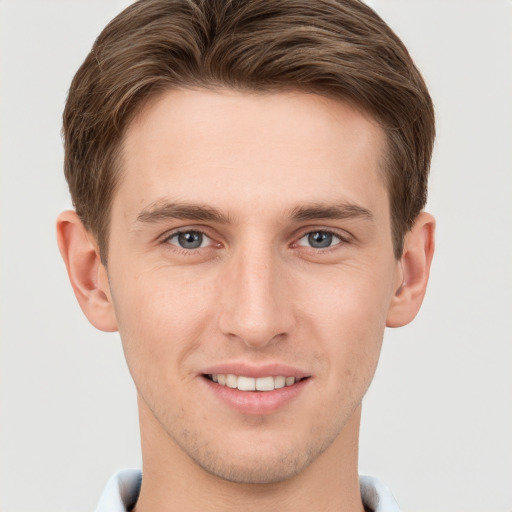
88 276
412 278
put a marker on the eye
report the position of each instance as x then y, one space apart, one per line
319 239
189 239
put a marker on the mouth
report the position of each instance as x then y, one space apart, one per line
253 390
256 384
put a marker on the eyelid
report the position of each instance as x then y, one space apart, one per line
164 239
185 229
343 235
307 245
176 234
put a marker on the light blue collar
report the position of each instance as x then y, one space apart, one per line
122 491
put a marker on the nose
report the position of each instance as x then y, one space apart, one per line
256 306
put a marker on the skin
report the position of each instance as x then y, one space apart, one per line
254 175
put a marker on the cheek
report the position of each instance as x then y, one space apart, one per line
161 316
352 299
349 316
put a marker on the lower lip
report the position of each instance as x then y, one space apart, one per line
256 402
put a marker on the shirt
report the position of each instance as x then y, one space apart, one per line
122 491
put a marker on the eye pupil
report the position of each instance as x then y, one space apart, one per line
320 239
190 239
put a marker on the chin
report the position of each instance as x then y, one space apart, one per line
260 461
256 470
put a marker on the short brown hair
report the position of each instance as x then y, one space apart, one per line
336 48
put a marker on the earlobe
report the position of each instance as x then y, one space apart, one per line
414 271
88 276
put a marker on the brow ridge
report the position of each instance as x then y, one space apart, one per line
164 210
335 211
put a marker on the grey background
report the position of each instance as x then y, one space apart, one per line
437 421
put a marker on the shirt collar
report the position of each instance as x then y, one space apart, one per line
122 491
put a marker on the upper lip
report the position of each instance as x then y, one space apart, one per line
255 371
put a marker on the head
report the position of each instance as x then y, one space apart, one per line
340 50
248 180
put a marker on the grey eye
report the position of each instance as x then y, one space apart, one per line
189 239
319 239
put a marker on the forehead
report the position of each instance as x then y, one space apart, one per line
236 148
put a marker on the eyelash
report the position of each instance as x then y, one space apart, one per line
188 252
343 240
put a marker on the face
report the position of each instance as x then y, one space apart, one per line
251 270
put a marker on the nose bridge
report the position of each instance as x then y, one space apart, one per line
254 306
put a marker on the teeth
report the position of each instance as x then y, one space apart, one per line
231 381
251 384
246 384
279 382
265 384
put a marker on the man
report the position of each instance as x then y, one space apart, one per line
249 179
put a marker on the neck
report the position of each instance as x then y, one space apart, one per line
172 481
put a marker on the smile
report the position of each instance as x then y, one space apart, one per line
244 383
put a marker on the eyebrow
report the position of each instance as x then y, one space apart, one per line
163 210
336 211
